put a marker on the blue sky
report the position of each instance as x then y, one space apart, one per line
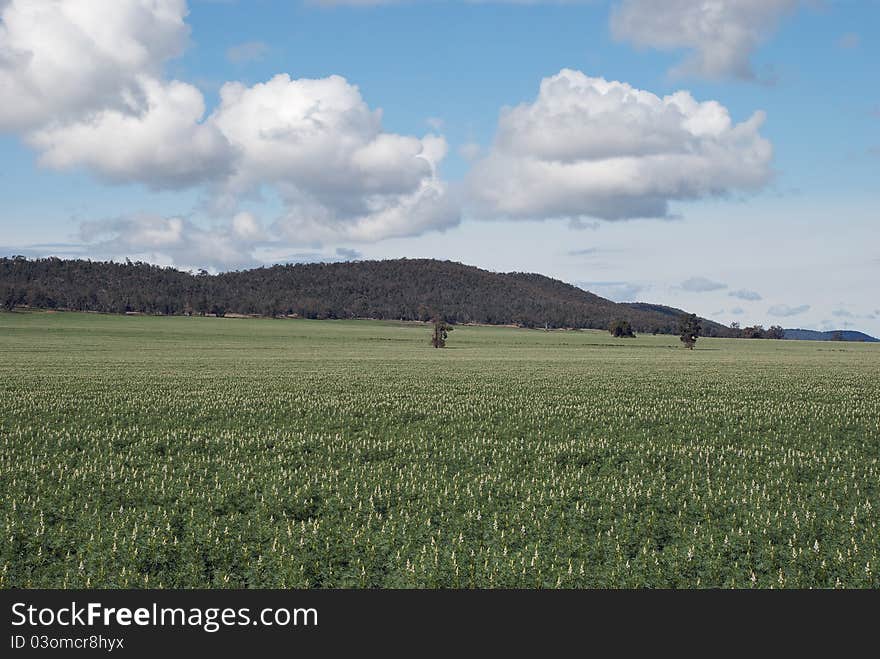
387 138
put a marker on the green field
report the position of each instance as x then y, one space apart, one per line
203 452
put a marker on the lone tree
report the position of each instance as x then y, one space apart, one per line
689 328
441 331
621 329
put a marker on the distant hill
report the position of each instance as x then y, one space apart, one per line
710 327
407 289
813 335
669 312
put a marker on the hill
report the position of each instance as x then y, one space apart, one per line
407 289
669 312
813 335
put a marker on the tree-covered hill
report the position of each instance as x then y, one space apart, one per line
408 289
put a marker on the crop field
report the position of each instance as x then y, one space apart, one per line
204 452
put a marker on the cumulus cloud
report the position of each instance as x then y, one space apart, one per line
701 285
323 149
89 93
239 242
722 35
246 226
744 294
162 145
170 240
785 310
86 79
589 147
316 142
737 311
61 59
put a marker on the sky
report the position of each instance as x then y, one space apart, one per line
720 156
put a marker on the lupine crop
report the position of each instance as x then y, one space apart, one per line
191 452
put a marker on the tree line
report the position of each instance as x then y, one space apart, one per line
757 332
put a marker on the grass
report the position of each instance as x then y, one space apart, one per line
203 452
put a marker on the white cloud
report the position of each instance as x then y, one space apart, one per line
86 79
170 240
86 76
60 59
701 285
246 226
722 34
604 149
785 310
323 149
162 145
315 142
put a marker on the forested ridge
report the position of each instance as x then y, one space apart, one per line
402 289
